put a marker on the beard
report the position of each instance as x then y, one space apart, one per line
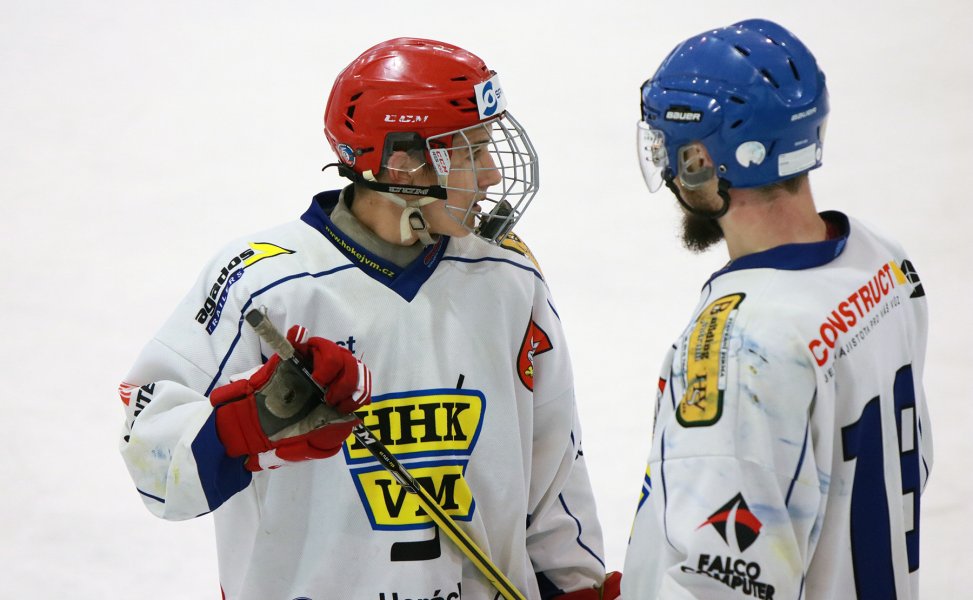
700 233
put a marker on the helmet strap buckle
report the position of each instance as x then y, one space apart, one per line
413 223
722 191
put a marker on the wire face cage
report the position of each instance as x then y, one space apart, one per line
496 154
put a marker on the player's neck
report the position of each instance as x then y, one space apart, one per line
756 223
381 216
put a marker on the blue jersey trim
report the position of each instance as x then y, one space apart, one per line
646 491
249 302
148 495
404 281
546 587
922 457
494 259
219 475
578 523
665 488
800 463
795 257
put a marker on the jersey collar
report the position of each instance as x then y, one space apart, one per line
404 281
796 257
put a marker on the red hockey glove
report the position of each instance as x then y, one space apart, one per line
277 415
612 588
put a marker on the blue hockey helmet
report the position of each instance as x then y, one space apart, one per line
751 93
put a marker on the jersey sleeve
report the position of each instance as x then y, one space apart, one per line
168 440
734 500
564 538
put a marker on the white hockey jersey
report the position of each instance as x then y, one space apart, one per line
791 440
473 392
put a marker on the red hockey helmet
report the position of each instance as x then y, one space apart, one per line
407 86
425 96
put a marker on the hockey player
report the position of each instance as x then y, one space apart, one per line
413 267
791 440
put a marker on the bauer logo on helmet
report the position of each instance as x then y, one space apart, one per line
804 114
683 114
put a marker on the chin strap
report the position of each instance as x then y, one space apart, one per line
412 221
722 187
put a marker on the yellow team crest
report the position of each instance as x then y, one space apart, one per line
433 432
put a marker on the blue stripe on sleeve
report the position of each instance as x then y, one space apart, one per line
800 463
220 476
578 523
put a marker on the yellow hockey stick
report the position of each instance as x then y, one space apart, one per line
266 330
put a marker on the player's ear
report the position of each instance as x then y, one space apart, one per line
399 167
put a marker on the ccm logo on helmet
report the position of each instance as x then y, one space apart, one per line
406 118
683 114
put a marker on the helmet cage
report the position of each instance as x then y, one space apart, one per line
515 159
425 97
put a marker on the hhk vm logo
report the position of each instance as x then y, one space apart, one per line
434 431
735 517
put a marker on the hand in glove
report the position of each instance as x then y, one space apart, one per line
277 415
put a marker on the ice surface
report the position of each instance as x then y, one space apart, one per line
137 137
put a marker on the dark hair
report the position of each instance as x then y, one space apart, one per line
790 186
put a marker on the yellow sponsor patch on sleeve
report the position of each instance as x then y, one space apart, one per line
702 403
512 242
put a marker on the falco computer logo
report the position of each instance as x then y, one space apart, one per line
735 517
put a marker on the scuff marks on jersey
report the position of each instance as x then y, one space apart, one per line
705 360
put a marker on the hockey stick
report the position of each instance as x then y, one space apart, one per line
266 330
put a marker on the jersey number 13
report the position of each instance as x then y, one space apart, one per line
871 535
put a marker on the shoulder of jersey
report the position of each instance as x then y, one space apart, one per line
245 252
513 243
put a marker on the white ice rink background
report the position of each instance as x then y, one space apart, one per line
137 137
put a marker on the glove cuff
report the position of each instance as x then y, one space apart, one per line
609 590
238 427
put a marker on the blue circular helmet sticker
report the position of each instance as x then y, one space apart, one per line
347 154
